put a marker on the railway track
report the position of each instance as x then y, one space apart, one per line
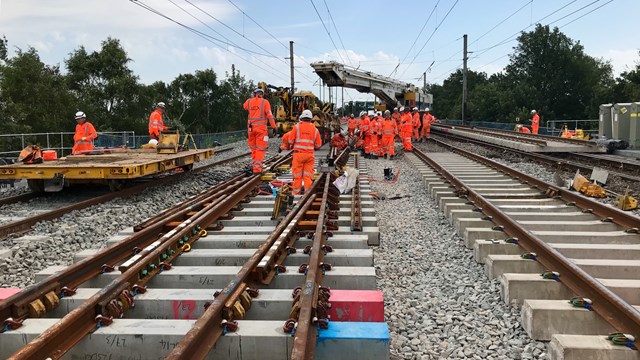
571 262
210 278
556 159
21 224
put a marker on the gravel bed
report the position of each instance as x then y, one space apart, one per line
20 187
438 301
93 226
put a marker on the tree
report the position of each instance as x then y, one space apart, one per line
627 86
447 99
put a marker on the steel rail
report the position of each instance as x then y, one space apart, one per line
17 305
613 309
95 312
511 137
538 156
527 135
26 224
197 343
304 339
19 198
356 204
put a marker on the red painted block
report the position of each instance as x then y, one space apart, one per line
6 292
357 305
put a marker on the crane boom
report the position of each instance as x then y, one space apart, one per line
391 91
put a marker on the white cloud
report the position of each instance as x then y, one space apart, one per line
622 60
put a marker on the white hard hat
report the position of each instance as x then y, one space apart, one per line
80 115
415 109
533 111
395 109
363 113
258 90
401 108
306 114
387 112
161 105
427 110
379 113
153 142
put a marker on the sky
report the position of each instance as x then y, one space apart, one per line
383 37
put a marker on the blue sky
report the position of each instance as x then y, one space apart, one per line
377 35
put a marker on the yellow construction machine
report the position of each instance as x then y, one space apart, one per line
290 105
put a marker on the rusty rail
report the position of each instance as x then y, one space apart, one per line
25 225
513 137
622 316
304 339
18 198
197 343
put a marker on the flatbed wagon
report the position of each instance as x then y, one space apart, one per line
111 167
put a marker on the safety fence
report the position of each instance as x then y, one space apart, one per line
62 142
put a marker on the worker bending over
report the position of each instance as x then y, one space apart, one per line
338 141
84 136
258 136
305 140
389 130
406 129
156 124
286 144
535 121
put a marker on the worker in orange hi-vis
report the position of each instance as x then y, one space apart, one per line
156 124
364 127
352 124
373 142
535 121
305 140
286 145
416 123
84 136
395 116
389 131
427 120
338 141
259 113
406 128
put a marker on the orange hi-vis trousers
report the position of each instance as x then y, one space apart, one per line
388 145
425 132
302 171
258 141
406 140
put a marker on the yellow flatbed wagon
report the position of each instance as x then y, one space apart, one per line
113 168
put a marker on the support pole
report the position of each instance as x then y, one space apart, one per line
464 79
291 62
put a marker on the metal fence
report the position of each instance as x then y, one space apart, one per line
62 142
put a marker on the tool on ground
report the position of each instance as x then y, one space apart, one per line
582 184
626 202
283 203
388 174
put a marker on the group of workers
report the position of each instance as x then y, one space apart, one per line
375 135
535 124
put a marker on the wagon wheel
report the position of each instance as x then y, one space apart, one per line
116 185
36 185
187 168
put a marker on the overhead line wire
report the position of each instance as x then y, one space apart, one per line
337 32
420 33
327 30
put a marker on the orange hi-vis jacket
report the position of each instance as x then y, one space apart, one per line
428 119
305 138
389 128
535 119
406 123
156 124
87 132
286 138
374 126
416 120
365 125
259 113
352 123
338 142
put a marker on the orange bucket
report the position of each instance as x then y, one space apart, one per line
49 155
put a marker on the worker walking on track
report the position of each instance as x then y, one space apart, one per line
389 131
427 120
406 129
352 124
305 140
156 123
258 135
416 124
535 121
374 129
84 136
